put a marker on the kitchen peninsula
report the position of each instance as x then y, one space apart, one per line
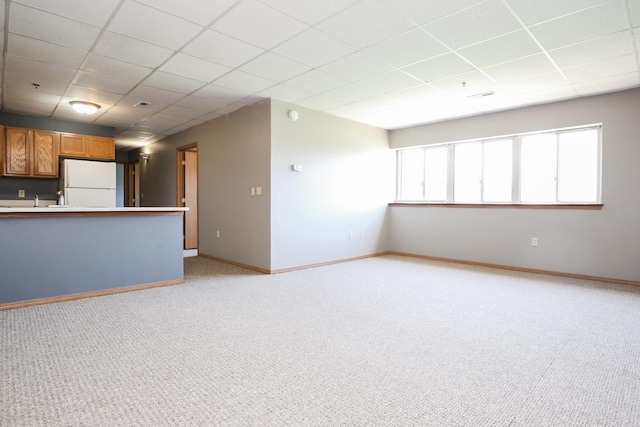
52 254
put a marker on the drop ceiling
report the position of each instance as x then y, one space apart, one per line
388 63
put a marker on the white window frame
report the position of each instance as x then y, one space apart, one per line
516 169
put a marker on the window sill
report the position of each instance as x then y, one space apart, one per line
585 206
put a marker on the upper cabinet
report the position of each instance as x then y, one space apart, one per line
30 153
34 153
86 146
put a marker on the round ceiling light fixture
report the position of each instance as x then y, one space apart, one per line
84 107
293 115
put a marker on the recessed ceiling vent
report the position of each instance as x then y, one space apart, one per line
142 104
482 95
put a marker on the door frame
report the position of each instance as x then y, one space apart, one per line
180 190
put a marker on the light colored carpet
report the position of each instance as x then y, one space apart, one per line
387 341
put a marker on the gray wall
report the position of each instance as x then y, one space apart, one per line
233 156
301 218
602 243
348 178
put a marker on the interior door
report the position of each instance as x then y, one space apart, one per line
191 199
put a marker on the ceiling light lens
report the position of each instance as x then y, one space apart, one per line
84 107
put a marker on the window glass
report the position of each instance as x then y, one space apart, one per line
436 166
538 168
468 172
412 174
497 171
578 166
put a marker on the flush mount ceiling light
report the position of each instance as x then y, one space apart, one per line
83 107
293 115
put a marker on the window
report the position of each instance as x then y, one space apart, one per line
552 167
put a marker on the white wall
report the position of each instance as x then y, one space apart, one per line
348 178
603 243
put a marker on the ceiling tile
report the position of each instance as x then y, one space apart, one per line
592 23
157 27
463 28
274 67
30 108
153 95
32 95
51 28
439 67
221 49
422 12
365 23
117 69
319 103
258 24
162 122
314 48
365 107
37 71
201 104
26 81
47 53
212 92
603 69
557 93
466 85
541 82
617 44
391 82
310 11
501 49
534 12
194 68
351 93
92 95
103 82
408 48
244 82
177 110
94 12
521 68
357 66
316 81
163 80
201 12
608 84
128 49
634 12
285 93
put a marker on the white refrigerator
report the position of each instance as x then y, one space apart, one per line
87 183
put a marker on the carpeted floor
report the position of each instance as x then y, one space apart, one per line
387 341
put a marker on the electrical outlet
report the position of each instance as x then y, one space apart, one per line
351 234
21 193
361 233
217 234
534 241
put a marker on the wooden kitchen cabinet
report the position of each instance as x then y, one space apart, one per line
86 146
30 153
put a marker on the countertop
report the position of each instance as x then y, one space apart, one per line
44 211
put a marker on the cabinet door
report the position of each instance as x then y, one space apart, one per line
102 148
17 152
73 145
45 153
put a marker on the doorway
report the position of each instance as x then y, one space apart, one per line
132 184
187 191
